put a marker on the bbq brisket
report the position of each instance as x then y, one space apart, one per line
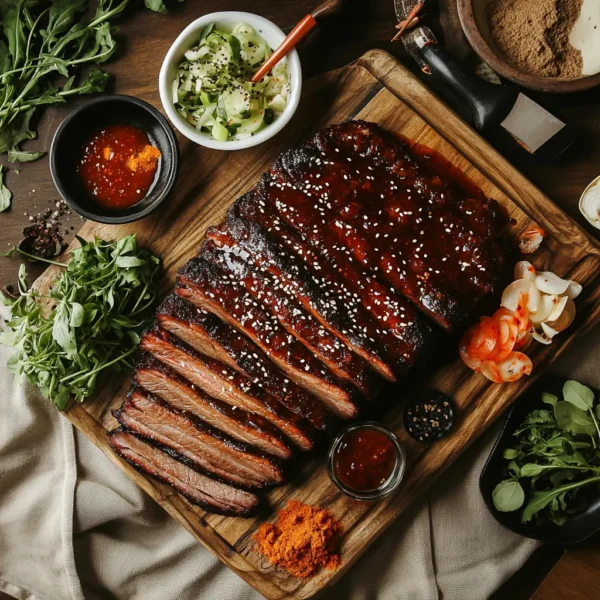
324 277
226 384
205 285
183 395
275 296
212 451
209 335
168 467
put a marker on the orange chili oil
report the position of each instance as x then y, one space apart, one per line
118 166
365 459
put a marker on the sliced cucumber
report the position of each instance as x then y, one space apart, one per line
235 101
202 118
213 88
278 103
219 132
244 29
253 123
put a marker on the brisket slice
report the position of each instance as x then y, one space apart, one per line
212 451
275 295
209 335
433 241
291 274
390 320
245 426
168 467
226 384
204 284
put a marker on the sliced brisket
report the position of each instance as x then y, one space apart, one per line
245 426
199 489
205 285
212 451
406 223
225 384
209 335
344 286
276 296
290 274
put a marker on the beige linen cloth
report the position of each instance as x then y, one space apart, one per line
73 526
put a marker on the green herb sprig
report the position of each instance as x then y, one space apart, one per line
99 305
38 42
555 464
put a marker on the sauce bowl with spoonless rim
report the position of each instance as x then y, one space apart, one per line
91 116
393 480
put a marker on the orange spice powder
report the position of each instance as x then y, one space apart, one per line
145 159
303 539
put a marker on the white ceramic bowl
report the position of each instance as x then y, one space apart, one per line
188 38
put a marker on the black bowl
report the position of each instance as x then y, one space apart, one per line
579 527
81 123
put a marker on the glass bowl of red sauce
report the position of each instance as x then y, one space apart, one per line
114 159
366 461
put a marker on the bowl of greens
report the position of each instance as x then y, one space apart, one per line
542 478
205 81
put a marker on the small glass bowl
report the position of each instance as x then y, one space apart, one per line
393 480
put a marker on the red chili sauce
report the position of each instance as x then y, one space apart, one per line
118 166
365 459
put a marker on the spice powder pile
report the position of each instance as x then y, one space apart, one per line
534 35
302 540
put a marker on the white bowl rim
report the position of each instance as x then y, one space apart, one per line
203 139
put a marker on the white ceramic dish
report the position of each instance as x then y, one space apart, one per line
188 37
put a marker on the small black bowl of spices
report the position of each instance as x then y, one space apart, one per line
366 461
114 159
428 416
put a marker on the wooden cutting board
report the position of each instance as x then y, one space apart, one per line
375 88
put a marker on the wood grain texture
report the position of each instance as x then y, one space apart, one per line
575 579
376 88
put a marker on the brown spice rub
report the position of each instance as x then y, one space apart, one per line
302 540
534 36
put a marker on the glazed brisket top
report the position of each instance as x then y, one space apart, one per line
391 210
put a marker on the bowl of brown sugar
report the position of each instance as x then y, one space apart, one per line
542 45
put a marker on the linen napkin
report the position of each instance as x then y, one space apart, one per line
73 526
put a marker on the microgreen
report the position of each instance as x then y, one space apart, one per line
5 193
99 304
555 464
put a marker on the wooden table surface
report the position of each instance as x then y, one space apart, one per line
367 24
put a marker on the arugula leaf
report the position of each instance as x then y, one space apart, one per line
24 155
5 58
539 500
573 419
18 131
5 193
14 30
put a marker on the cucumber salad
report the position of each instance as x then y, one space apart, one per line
213 89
